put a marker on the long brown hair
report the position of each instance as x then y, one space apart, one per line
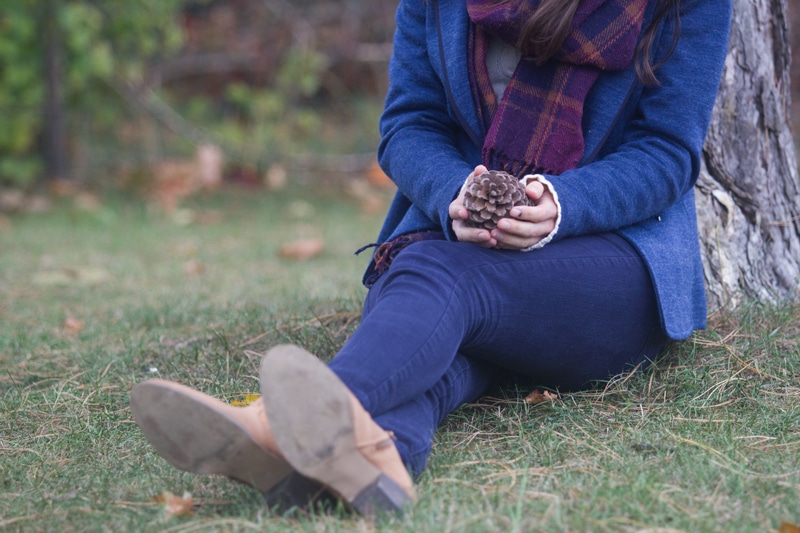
544 32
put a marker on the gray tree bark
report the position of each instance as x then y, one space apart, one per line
748 196
55 131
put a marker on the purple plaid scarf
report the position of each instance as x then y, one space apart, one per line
536 126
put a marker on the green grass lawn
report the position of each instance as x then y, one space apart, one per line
95 300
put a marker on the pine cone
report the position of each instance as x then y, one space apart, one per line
490 197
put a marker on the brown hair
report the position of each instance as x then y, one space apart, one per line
544 33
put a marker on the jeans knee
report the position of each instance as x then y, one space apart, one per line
425 253
426 259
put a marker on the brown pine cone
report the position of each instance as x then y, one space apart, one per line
490 197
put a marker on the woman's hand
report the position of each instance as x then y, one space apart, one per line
458 213
525 227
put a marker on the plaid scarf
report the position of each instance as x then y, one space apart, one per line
536 126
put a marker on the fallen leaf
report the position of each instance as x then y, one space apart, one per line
302 249
247 400
210 160
208 216
376 176
12 199
373 204
185 249
62 188
175 505
371 199
786 527
39 204
86 201
72 325
276 177
172 180
193 267
538 397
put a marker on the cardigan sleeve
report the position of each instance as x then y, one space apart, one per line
419 147
658 159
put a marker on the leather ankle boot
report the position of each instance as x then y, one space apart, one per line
200 434
323 431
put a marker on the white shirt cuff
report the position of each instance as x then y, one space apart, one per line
528 179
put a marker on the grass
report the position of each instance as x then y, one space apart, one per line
92 301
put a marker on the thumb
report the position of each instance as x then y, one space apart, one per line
534 190
480 169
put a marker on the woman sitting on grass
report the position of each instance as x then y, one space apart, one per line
601 107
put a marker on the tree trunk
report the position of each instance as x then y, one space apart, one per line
794 24
748 198
54 130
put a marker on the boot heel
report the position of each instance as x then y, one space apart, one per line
326 435
384 495
299 491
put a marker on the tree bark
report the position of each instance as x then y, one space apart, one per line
54 129
748 198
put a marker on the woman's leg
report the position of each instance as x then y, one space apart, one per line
438 327
415 421
573 312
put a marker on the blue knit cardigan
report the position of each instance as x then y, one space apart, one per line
643 144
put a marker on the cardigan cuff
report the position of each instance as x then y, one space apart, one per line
528 179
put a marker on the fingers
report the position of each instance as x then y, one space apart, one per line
480 169
538 213
544 207
535 190
522 236
523 228
526 226
457 211
478 236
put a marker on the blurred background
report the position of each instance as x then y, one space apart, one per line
165 97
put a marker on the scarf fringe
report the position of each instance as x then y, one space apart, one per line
495 159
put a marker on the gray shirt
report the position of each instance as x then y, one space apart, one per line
501 61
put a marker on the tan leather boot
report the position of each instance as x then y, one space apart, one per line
200 434
323 431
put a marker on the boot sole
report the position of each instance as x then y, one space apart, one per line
312 422
195 434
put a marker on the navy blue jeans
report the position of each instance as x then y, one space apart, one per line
449 319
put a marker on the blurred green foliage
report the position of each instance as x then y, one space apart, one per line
98 43
265 123
144 81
